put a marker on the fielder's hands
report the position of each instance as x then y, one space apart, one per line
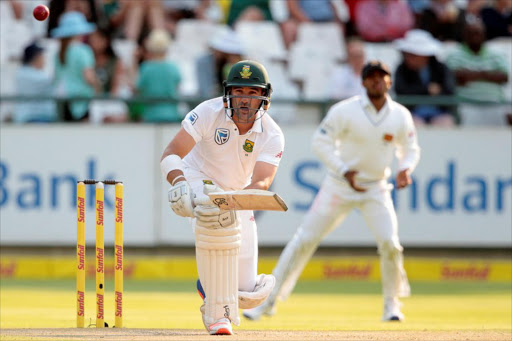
403 179
181 199
350 176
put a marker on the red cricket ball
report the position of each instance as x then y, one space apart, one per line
41 12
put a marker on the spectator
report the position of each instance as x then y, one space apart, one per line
132 16
420 73
74 65
31 80
383 20
175 10
212 68
480 74
474 7
444 20
248 10
498 19
109 68
59 7
318 11
345 81
158 77
110 72
417 7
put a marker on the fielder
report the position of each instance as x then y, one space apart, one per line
226 143
356 142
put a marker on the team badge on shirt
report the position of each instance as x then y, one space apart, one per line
387 137
246 72
192 117
248 146
221 135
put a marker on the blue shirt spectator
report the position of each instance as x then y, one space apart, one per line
318 10
31 80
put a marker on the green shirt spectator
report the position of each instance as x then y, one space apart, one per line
159 77
480 74
484 60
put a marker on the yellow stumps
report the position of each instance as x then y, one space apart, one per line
119 256
100 256
100 252
80 254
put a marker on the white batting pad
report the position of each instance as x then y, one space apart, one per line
217 264
248 199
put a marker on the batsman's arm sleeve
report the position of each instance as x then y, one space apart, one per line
408 150
324 144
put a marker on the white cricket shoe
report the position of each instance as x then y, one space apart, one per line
221 327
392 310
266 308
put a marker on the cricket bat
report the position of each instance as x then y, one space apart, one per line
248 199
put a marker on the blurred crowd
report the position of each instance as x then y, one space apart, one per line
140 49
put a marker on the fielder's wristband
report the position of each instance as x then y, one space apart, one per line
170 163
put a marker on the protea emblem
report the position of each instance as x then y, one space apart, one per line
248 146
246 72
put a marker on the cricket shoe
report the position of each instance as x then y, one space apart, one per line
221 327
392 310
266 308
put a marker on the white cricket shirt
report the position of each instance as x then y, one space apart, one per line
221 153
354 136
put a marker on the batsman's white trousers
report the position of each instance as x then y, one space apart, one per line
335 200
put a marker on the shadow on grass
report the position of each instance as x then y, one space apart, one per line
306 287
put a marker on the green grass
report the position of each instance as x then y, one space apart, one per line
326 305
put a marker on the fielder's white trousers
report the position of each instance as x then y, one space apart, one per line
335 200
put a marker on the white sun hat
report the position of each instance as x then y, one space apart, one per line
418 42
226 40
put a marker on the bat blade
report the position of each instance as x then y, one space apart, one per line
248 199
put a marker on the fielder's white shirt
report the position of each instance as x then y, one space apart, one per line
221 153
354 136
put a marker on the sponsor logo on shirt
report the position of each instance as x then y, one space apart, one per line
248 146
221 135
192 116
207 182
279 155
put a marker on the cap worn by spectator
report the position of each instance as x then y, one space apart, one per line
374 65
72 24
419 43
158 41
30 52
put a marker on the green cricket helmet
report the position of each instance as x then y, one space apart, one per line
247 73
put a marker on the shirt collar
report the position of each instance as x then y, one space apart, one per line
365 101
